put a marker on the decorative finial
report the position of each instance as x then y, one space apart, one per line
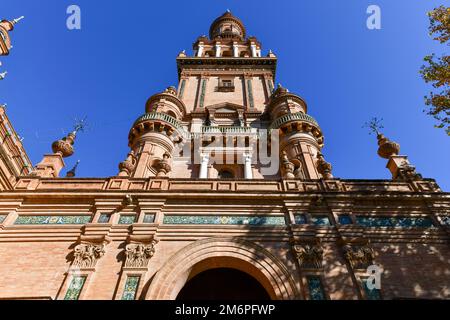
324 167
3 75
65 146
3 105
374 125
17 20
72 172
228 11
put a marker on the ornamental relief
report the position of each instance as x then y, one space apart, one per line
87 255
138 254
309 254
359 257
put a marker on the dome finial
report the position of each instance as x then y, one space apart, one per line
17 19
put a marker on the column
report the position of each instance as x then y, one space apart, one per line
204 166
235 50
253 48
248 174
200 50
218 50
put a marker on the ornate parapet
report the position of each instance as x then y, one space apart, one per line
89 250
309 253
139 251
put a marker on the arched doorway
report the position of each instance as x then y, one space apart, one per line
223 284
218 252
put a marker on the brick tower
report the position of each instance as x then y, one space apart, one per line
224 194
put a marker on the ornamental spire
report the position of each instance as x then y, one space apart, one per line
71 173
398 165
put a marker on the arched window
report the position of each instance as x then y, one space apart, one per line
225 174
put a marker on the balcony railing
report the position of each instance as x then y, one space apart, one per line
159 116
211 130
292 117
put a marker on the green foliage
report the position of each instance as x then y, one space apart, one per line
437 70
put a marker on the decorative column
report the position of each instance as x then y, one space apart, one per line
89 250
200 49
248 173
235 50
204 166
138 252
218 50
253 49
309 254
360 255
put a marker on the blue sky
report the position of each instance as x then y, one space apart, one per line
126 51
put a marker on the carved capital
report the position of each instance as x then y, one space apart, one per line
89 251
139 251
359 256
309 254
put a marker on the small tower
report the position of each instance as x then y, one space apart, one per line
5 41
301 138
152 137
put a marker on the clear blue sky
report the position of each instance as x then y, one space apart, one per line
126 52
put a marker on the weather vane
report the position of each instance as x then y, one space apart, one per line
80 125
374 125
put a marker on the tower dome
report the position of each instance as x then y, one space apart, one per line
227 26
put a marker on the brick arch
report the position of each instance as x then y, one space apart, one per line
213 253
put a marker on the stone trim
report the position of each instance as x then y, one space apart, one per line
270 271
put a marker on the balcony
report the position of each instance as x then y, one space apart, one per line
293 117
226 130
159 116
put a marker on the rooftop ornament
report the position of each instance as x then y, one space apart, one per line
72 172
387 148
65 146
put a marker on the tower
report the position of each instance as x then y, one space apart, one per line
212 124
194 211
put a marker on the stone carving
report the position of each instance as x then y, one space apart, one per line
87 255
298 173
406 171
309 255
359 257
64 147
287 167
127 167
139 254
387 148
323 167
163 166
